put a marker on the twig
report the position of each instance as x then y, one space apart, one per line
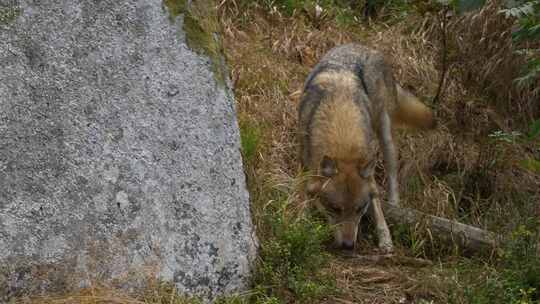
444 67
343 301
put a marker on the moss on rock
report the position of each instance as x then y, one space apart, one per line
202 28
9 14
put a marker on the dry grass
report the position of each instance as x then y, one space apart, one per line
108 295
459 171
89 296
368 283
155 293
490 65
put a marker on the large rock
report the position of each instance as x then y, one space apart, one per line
119 153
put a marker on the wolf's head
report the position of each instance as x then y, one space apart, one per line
345 190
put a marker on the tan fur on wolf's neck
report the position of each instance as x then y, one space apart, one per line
339 124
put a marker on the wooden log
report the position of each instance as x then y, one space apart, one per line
467 237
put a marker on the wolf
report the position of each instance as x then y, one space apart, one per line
350 100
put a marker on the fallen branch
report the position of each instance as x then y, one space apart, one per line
390 259
465 236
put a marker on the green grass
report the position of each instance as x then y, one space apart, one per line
513 278
342 11
410 237
291 259
292 256
250 137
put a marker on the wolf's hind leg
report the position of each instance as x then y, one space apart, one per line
390 159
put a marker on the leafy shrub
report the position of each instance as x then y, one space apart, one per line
527 14
292 257
517 277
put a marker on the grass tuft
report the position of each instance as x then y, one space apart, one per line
513 278
250 138
291 259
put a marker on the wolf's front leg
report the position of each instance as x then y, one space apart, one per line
383 233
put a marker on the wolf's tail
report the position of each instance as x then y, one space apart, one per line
411 112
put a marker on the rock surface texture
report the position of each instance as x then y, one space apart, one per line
119 153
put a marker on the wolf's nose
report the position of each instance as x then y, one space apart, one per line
349 245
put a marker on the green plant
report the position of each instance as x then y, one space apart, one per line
505 136
250 138
527 16
410 237
292 256
533 163
535 130
516 278
344 12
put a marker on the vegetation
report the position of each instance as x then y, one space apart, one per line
476 168
292 256
8 13
200 25
513 278
250 140
527 16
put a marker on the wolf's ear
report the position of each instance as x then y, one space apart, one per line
328 167
367 170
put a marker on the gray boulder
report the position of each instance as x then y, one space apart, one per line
119 153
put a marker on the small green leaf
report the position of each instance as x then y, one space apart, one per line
531 164
535 129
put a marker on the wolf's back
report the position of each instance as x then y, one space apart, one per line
378 84
349 57
376 92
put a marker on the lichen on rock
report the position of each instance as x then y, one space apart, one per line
9 12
